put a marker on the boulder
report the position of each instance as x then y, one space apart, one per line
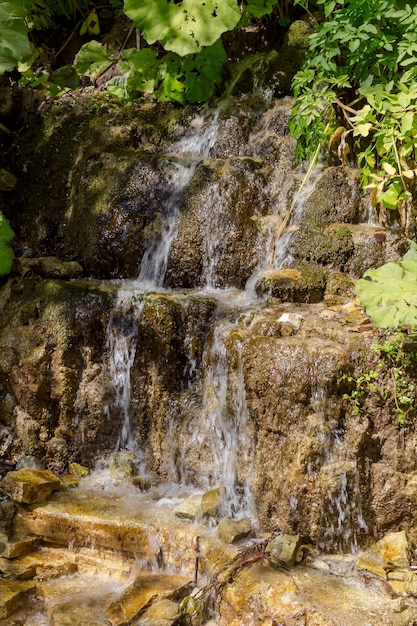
29 485
230 530
284 549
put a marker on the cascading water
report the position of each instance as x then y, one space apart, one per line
213 421
224 429
188 152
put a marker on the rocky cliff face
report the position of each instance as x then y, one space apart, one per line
96 182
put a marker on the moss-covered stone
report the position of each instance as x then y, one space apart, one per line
303 282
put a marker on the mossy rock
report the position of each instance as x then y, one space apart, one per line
300 283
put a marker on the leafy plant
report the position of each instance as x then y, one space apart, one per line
389 293
183 27
192 78
14 41
6 252
393 380
361 74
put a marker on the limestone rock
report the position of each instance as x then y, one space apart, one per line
371 563
139 594
283 550
16 546
122 465
394 550
211 502
43 564
47 267
29 485
77 470
230 530
190 508
160 613
7 511
12 595
29 461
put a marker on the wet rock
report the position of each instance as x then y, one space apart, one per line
122 465
284 549
41 565
301 283
190 508
57 454
395 550
29 461
77 470
7 512
6 440
230 530
211 502
30 485
14 594
161 613
138 595
47 267
12 547
373 563
392 552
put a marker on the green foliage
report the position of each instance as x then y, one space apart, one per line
389 293
362 70
14 41
192 78
392 382
6 252
183 27
361 386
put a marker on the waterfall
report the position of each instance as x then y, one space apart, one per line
122 333
224 434
188 151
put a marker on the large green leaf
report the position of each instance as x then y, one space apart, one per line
92 59
14 42
6 252
389 293
184 26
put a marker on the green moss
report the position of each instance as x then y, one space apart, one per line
303 282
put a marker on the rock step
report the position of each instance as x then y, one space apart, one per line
151 532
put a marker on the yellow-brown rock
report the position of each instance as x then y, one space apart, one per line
140 593
29 485
12 595
10 548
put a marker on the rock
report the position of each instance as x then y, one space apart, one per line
301 283
122 465
211 502
283 550
47 267
145 481
29 461
160 613
293 319
230 530
14 594
410 584
139 594
394 550
43 564
7 511
77 470
29 485
16 546
190 508
371 563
